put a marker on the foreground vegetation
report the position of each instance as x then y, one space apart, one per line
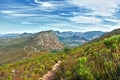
29 69
95 61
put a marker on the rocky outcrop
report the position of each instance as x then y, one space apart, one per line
46 41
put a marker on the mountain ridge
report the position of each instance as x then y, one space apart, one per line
44 41
73 39
96 60
108 34
69 38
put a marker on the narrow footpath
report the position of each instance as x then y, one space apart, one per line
50 75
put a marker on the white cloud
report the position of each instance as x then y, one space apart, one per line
27 23
109 28
113 20
83 19
99 7
44 4
7 11
97 27
23 15
101 27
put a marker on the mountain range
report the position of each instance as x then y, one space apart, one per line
23 45
15 49
69 38
77 38
97 59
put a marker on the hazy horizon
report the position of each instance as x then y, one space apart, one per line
45 30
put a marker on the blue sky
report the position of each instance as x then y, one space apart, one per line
17 16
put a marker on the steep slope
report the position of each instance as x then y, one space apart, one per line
99 60
45 41
68 38
40 42
108 34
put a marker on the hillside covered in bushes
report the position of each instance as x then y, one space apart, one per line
99 60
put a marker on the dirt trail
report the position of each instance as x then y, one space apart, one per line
50 75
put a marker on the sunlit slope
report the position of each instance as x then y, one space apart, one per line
98 60
108 34
45 41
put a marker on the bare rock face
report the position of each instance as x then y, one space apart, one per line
45 41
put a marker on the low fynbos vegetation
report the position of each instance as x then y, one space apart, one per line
95 61
29 69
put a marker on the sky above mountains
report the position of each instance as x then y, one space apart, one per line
17 16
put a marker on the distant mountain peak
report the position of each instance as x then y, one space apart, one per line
77 38
45 41
24 46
